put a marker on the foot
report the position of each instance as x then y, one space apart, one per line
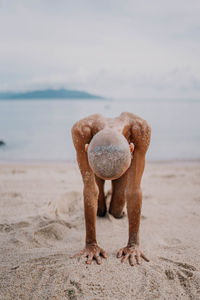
92 252
133 254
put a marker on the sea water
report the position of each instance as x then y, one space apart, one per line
41 129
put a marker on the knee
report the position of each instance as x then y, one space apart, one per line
101 211
116 214
116 211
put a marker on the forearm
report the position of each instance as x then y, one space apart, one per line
134 204
90 209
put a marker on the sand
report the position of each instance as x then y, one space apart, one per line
42 225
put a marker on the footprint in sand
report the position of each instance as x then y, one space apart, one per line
13 226
180 264
68 204
184 273
50 232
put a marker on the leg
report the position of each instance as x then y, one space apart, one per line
118 196
101 211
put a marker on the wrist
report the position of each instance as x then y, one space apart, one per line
133 240
91 242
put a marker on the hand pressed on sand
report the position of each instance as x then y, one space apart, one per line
92 252
133 253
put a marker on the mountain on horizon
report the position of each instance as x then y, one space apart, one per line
49 94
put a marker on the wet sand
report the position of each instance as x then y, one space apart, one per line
42 225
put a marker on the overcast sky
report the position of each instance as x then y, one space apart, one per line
116 48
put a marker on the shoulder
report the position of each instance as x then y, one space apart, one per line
85 123
141 133
83 128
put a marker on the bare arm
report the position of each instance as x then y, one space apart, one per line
81 135
134 196
141 139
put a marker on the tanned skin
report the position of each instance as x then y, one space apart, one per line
124 189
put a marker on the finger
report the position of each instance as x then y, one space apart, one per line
119 254
144 257
83 256
138 259
103 253
132 260
90 258
78 254
125 258
98 259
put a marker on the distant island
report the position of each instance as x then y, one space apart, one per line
49 94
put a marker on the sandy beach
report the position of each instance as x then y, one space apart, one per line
42 226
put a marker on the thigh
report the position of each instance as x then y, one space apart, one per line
118 198
100 183
101 211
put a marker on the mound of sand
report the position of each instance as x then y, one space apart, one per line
42 226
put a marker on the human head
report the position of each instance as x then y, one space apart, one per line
109 154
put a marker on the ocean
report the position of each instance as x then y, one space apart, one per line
41 129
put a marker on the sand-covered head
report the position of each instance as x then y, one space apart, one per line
109 154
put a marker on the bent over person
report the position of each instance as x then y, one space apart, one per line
112 149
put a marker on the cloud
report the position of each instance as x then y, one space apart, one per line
115 48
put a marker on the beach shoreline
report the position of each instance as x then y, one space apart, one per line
73 161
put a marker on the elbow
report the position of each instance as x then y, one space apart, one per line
134 195
90 193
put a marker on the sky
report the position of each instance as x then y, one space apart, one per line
114 48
